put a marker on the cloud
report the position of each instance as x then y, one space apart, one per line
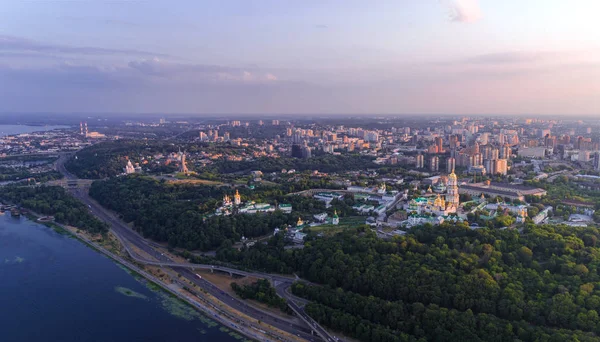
203 72
159 67
63 76
322 26
530 58
463 11
19 44
510 57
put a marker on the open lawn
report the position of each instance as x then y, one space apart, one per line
195 181
350 222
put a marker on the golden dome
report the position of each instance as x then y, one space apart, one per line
452 176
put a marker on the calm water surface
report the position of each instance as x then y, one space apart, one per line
18 129
55 288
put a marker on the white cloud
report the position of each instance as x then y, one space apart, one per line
463 11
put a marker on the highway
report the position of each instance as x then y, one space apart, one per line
127 235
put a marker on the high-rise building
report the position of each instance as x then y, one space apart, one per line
505 151
226 136
450 165
486 151
306 152
434 164
296 151
584 156
453 141
371 136
439 142
494 153
597 161
477 159
420 161
490 166
476 148
275 122
502 166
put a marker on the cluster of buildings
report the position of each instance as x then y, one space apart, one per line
235 204
41 143
439 204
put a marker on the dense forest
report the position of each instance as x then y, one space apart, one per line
262 291
12 174
446 283
107 159
180 214
324 163
55 201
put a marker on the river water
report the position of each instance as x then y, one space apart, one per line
19 129
55 288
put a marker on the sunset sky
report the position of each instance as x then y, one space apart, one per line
273 56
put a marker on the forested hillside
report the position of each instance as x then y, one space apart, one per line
107 159
447 283
323 163
180 214
55 201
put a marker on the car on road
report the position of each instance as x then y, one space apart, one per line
199 276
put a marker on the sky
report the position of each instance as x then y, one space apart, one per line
539 57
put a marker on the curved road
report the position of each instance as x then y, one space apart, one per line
125 233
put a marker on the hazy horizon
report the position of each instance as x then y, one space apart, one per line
388 57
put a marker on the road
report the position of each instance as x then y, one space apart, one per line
282 292
127 235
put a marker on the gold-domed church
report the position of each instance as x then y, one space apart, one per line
438 205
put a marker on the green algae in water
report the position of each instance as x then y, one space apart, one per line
17 260
124 268
178 308
236 335
223 329
130 293
208 322
151 286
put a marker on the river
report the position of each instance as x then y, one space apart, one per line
55 288
19 129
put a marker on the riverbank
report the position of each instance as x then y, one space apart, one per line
55 288
199 300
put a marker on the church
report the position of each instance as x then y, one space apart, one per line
438 205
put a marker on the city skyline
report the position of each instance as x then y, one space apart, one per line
385 57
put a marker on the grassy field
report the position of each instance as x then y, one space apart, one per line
349 222
195 181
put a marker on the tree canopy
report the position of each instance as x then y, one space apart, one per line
55 201
447 283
